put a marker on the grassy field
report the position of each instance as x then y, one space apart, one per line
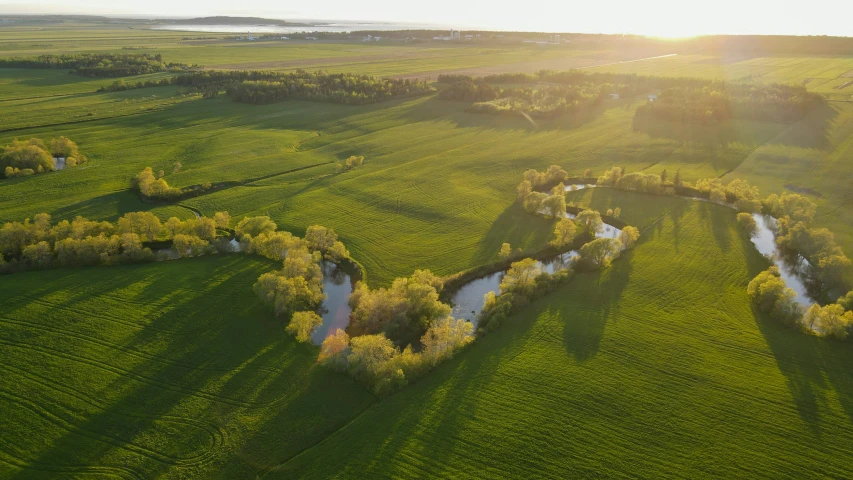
437 188
655 368
173 369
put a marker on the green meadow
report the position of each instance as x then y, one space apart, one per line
657 367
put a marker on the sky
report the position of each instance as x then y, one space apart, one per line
670 18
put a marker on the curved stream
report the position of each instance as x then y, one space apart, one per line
468 299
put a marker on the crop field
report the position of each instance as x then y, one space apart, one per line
657 367
435 176
648 369
172 369
824 74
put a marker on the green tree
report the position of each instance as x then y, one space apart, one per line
628 237
599 252
564 232
747 223
589 222
303 324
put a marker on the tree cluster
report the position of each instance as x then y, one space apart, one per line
155 186
27 157
351 162
120 85
80 242
554 203
375 361
403 312
770 295
98 64
264 87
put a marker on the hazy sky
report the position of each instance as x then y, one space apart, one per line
652 17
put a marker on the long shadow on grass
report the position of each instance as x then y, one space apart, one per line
428 413
812 131
186 381
517 227
583 330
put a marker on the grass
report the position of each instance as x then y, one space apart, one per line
656 368
435 176
172 369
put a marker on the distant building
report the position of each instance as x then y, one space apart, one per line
614 96
285 38
652 97
454 35
250 38
311 38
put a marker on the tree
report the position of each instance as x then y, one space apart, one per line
599 252
506 250
677 180
335 349
587 173
254 226
590 222
847 301
189 245
63 147
39 255
829 321
521 276
303 324
747 223
144 224
769 293
617 212
319 238
555 205
663 176
372 360
222 220
535 201
444 337
524 189
628 237
564 232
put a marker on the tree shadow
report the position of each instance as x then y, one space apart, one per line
517 227
175 387
602 295
812 131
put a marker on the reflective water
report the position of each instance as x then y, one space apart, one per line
468 300
793 271
335 310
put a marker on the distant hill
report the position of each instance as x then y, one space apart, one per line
224 20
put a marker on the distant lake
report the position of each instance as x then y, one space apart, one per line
337 27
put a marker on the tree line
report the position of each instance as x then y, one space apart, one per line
683 99
99 64
40 243
264 87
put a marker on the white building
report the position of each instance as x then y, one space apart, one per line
652 97
614 96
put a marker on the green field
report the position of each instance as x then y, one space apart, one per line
172 369
657 367
649 369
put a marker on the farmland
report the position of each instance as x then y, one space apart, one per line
657 367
